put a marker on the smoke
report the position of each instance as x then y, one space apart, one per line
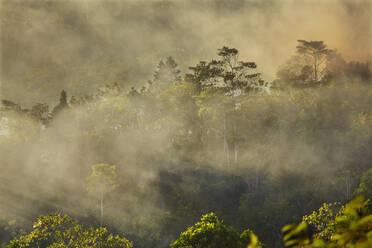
47 46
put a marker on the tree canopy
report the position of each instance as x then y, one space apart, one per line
211 232
61 231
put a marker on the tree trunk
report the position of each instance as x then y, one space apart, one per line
101 207
235 147
257 177
348 187
235 153
316 68
225 144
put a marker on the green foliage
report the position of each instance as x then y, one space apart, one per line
102 179
234 76
352 229
365 186
210 232
249 240
294 148
40 111
324 220
54 231
296 235
354 226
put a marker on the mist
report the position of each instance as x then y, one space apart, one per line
47 46
75 92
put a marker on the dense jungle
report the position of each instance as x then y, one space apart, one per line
185 124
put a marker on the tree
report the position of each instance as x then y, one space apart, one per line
101 181
226 79
6 105
315 63
60 231
211 232
323 220
365 186
113 89
295 71
311 63
40 112
351 228
358 70
166 74
215 108
180 116
62 103
202 75
63 98
317 52
236 77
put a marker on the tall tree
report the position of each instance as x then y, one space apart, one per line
166 73
317 52
365 186
230 79
236 77
312 63
101 181
62 103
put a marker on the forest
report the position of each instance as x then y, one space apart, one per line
215 155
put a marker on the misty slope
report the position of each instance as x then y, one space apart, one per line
146 116
298 148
